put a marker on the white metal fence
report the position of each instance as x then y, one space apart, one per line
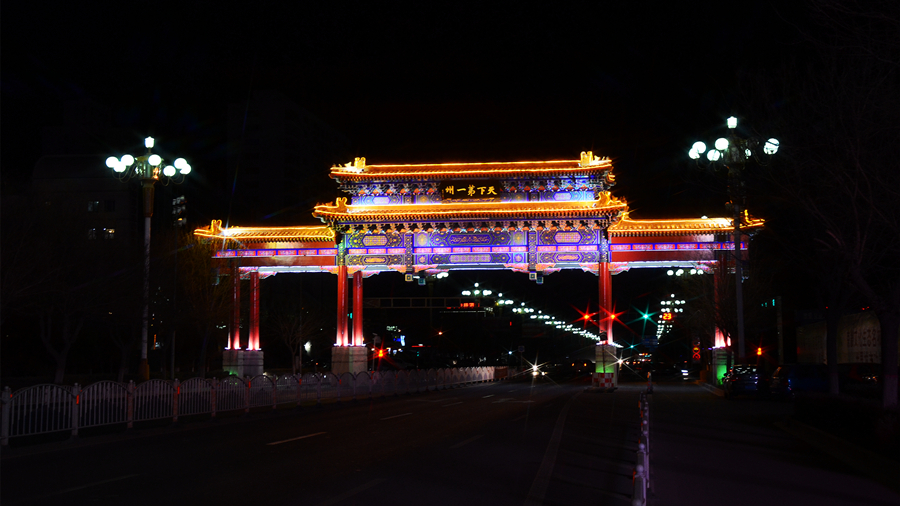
642 466
45 408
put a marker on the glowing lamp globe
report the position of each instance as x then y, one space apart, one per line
128 160
169 171
771 146
732 122
148 142
713 155
112 162
721 144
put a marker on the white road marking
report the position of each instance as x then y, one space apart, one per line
539 487
396 416
295 438
510 400
452 404
486 396
467 441
81 487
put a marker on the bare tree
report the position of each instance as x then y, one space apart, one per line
841 127
293 323
203 292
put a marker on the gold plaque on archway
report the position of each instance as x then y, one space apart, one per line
482 190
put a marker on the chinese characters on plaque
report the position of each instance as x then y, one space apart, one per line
470 190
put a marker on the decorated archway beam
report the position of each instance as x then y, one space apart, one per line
639 243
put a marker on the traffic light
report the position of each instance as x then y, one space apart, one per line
380 353
758 351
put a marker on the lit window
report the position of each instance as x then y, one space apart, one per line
109 233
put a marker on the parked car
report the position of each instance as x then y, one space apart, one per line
789 380
743 380
863 380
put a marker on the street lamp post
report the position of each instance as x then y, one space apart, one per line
732 153
148 168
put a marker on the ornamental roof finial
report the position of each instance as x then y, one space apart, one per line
586 158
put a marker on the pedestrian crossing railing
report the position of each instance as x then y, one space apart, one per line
42 409
642 465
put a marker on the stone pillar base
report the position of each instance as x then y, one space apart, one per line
606 371
243 362
719 366
351 359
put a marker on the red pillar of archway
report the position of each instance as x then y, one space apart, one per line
718 272
342 330
235 343
358 309
606 314
253 341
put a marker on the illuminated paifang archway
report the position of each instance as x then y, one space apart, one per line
531 217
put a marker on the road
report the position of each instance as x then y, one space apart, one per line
500 443
505 443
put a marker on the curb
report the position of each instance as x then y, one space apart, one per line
870 464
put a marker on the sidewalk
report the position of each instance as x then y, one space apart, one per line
705 450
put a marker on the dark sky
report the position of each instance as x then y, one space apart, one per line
450 81
406 82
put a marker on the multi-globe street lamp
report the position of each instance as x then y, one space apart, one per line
149 169
732 154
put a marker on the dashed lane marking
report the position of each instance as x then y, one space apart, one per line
396 416
295 438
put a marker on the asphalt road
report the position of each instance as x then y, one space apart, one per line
499 443
506 443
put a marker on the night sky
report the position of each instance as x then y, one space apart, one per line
406 82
